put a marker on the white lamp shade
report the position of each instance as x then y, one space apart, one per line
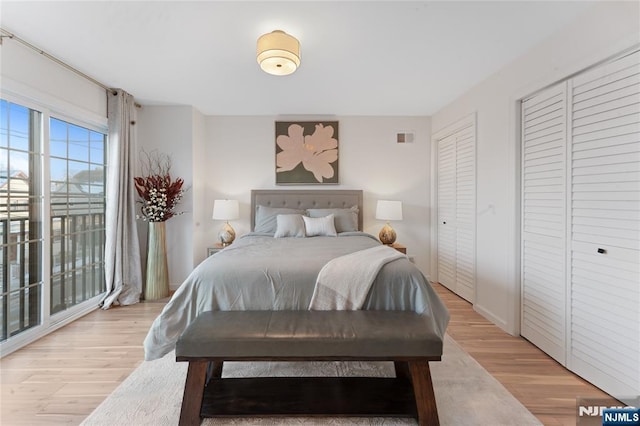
278 53
389 210
226 210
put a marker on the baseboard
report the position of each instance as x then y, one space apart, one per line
494 319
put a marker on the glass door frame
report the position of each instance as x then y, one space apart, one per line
49 323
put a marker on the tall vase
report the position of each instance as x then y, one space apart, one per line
157 285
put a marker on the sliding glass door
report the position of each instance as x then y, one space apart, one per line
48 159
20 219
77 169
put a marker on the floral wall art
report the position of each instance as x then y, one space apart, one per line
306 152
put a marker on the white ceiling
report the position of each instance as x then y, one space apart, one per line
358 58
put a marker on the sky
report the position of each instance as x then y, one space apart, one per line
71 147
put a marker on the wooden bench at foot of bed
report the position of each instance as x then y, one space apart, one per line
216 337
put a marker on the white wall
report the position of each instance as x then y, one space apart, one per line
605 30
31 77
201 204
170 130
240 156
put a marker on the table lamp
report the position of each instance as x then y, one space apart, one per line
388 210
226 210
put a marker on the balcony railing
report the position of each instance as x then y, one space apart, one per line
77 267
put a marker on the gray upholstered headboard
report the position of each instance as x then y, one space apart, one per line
306 199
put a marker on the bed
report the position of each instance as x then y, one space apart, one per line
275 268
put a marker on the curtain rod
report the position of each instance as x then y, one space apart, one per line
11 36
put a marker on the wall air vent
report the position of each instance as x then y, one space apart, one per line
404 137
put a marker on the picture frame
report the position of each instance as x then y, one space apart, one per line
306 152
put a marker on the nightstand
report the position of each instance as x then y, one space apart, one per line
399 247
213 250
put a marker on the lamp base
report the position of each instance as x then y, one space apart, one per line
226 235
387 235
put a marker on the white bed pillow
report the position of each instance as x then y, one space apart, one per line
320 226
289 225
346 219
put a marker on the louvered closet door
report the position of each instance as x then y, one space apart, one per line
447 212
605 235
465 212
544 249
457 208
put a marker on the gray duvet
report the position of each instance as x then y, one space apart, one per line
259 272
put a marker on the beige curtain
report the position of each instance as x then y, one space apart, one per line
123 271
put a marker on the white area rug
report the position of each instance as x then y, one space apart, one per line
466 394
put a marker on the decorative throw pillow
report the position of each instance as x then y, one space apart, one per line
289 225
266 218
346 220
320 226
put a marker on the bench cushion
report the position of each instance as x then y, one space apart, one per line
253 335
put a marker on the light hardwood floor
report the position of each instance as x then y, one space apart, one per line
542 385
62 377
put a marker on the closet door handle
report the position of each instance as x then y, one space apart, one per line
602 251
444 223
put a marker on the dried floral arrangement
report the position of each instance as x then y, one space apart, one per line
160 194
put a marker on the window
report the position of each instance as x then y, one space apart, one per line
77 169
20 219
51 258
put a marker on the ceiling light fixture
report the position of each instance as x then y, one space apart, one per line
278 53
